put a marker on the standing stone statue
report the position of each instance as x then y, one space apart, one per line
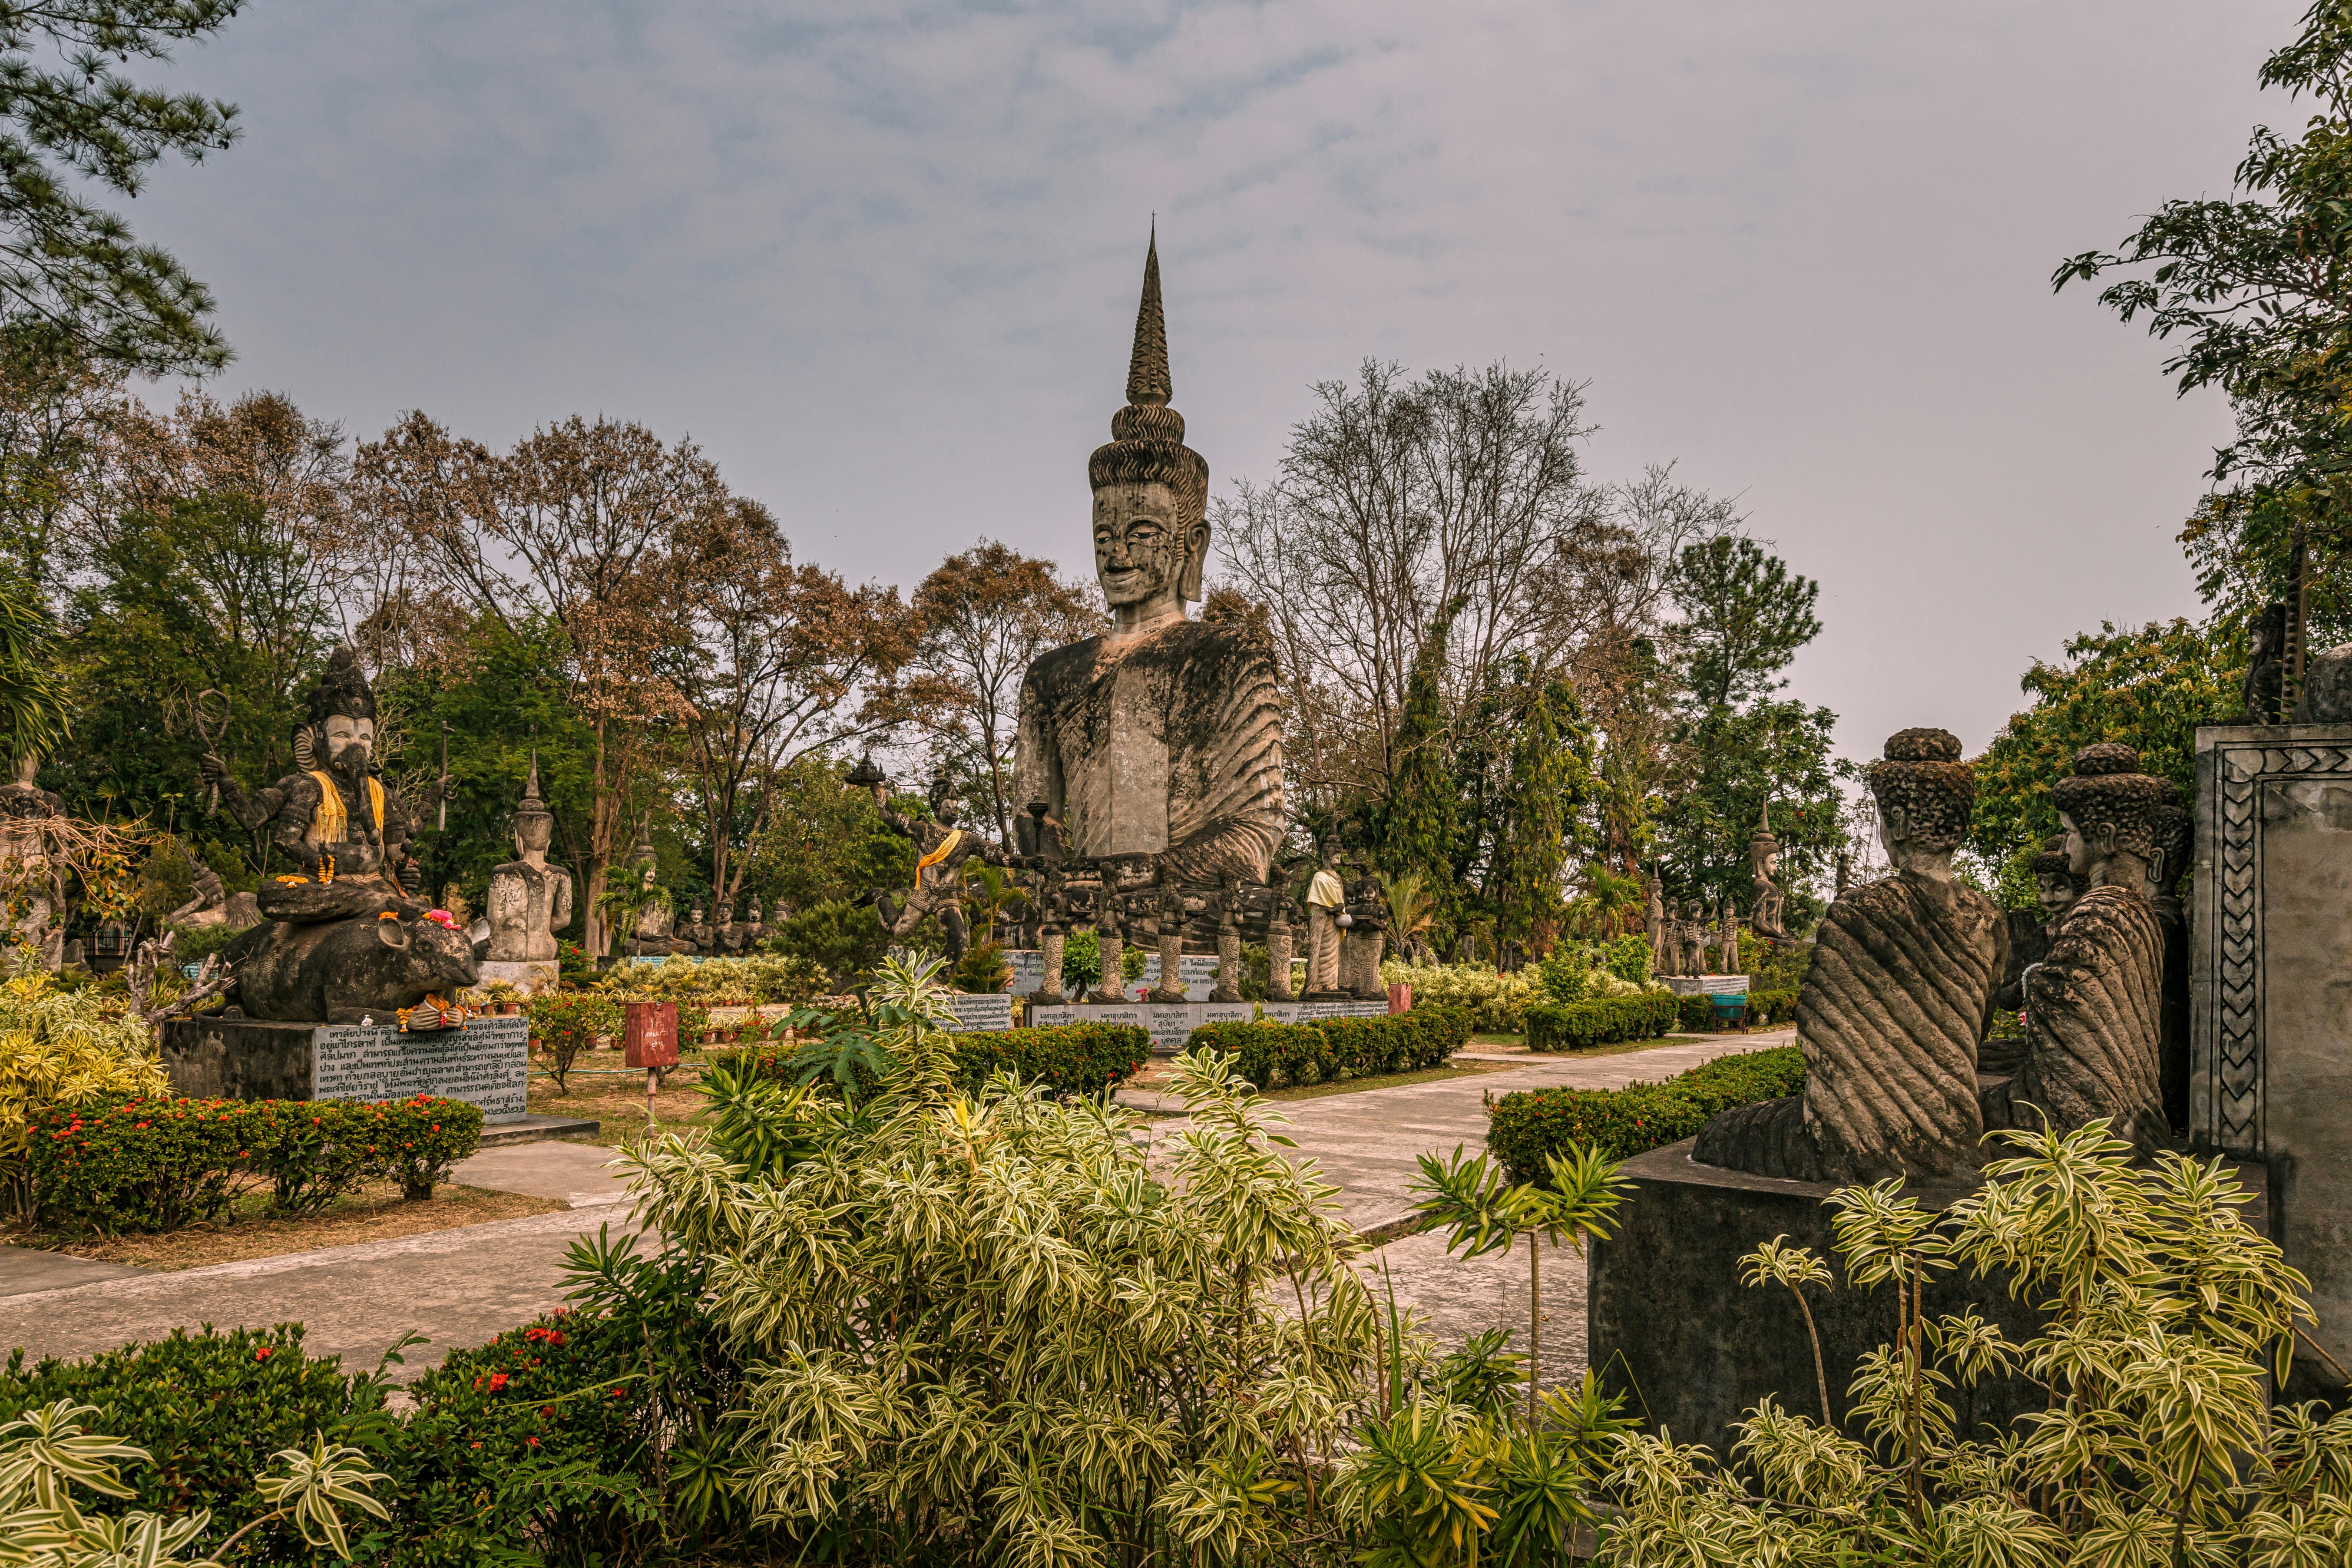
2176 845
1726 940
31 872
1366 936
1110 985
1162 736
1053 933
1694 939
1662 954
939 868
1844 872
1166 903
1764 865
1327 901
1230 909
695 934
344 940
2095 1005
1893 1006
1279 954
2030 935
529 900
731 930
755 926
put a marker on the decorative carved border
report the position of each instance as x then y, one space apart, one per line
2228 1039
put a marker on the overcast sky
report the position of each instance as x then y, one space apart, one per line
881 260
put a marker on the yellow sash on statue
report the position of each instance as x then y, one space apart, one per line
332 822
946 847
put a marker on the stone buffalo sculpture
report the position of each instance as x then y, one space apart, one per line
338 971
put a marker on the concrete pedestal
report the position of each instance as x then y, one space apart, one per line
1172 1023
1692 1350
528 975
2270 971
1705 985
487 1063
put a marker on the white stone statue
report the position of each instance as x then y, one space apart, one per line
529 900
1327 903
30 874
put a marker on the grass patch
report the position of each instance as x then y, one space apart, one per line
374 1213
1386 1080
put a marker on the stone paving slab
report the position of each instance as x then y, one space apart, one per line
459 1288
576 1172
25 1269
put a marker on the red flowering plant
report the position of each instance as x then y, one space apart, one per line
159 1164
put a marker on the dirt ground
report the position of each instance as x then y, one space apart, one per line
375 1213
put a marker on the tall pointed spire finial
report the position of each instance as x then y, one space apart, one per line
1147 385
530 790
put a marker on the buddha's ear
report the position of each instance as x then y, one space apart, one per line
1196 558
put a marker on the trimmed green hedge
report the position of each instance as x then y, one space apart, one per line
1604 1020
1525 1128
1064 1058
1694 1015
1272 1055
1765 1007
160 1164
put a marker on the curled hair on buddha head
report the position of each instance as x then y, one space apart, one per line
2107 790
1923 777
341 688
1147 437
2173 826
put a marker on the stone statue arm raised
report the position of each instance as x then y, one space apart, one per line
252 811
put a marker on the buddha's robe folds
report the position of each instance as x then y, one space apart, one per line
2094 1018
1889 1017
1169 743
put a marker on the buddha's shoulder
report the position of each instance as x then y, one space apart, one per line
1220 643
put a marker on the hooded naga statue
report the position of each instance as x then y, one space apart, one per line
1161 737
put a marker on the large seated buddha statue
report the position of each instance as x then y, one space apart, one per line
2093 1007
1894 1005
1161 737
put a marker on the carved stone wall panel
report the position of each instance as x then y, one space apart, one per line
2270 994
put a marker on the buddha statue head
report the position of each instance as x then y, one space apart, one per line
1150 491
2175 830
342 737
1925 794
534 825
2108 807
2053 884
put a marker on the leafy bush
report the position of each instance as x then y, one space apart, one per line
163 1164
1273 1056
1694 1015
841 938
210 1408
761 980
1769 1007
2159 1445
1008 1317
1579 1025
983 971
1629 958
193 944
1082 962
62 1049
1523 1129
564 1024
1063 1058
1497 1002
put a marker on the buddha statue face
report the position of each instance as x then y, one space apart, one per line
1143 550
533 831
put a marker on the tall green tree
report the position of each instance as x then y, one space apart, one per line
2149 686
1419 823
1746 616
1541 814
68 115
2254 294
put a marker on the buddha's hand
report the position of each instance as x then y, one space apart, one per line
412 875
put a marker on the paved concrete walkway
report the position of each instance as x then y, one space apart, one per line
461 1286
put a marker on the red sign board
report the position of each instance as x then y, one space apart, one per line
651 1034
